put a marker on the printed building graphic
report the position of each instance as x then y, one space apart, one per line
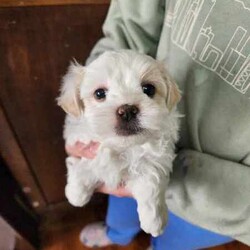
192 32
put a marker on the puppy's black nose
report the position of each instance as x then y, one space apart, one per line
127 112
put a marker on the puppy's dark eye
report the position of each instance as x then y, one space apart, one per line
148 89
100 94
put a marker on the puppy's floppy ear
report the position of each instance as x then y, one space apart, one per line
173 92
69 98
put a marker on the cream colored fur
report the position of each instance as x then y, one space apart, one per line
142 161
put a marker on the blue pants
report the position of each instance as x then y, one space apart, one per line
123 225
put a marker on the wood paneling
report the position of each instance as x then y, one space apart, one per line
36 46
23 3
15 209
14 158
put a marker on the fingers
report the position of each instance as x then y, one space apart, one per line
76 149
120 191
80 149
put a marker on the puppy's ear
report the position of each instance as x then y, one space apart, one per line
69 98
173 92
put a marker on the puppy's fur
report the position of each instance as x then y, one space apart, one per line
137 152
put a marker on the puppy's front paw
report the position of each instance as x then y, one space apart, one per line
154 227
76 196
153 223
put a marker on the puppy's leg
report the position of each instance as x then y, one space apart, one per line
149 192
80 183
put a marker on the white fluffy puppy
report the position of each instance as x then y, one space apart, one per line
126 101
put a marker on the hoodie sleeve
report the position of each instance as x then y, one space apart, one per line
212 192
131 24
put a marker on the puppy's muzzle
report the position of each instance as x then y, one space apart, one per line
127 112
127 120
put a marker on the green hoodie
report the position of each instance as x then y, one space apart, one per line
206 47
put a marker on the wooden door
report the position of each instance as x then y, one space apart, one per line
36 46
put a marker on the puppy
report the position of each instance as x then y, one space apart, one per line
126 101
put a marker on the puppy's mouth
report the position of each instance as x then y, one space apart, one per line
128 128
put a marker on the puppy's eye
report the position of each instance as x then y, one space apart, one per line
148 89
100 94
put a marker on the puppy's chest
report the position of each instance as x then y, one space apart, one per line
129 159
125 157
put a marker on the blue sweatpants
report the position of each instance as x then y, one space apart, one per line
123 225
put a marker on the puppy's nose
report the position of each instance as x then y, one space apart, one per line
127 112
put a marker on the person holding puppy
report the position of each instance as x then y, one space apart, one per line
206 46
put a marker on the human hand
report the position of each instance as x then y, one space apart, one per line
80 149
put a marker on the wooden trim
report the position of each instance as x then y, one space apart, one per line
15 209
23 3
14 158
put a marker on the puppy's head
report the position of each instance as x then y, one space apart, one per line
121 94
